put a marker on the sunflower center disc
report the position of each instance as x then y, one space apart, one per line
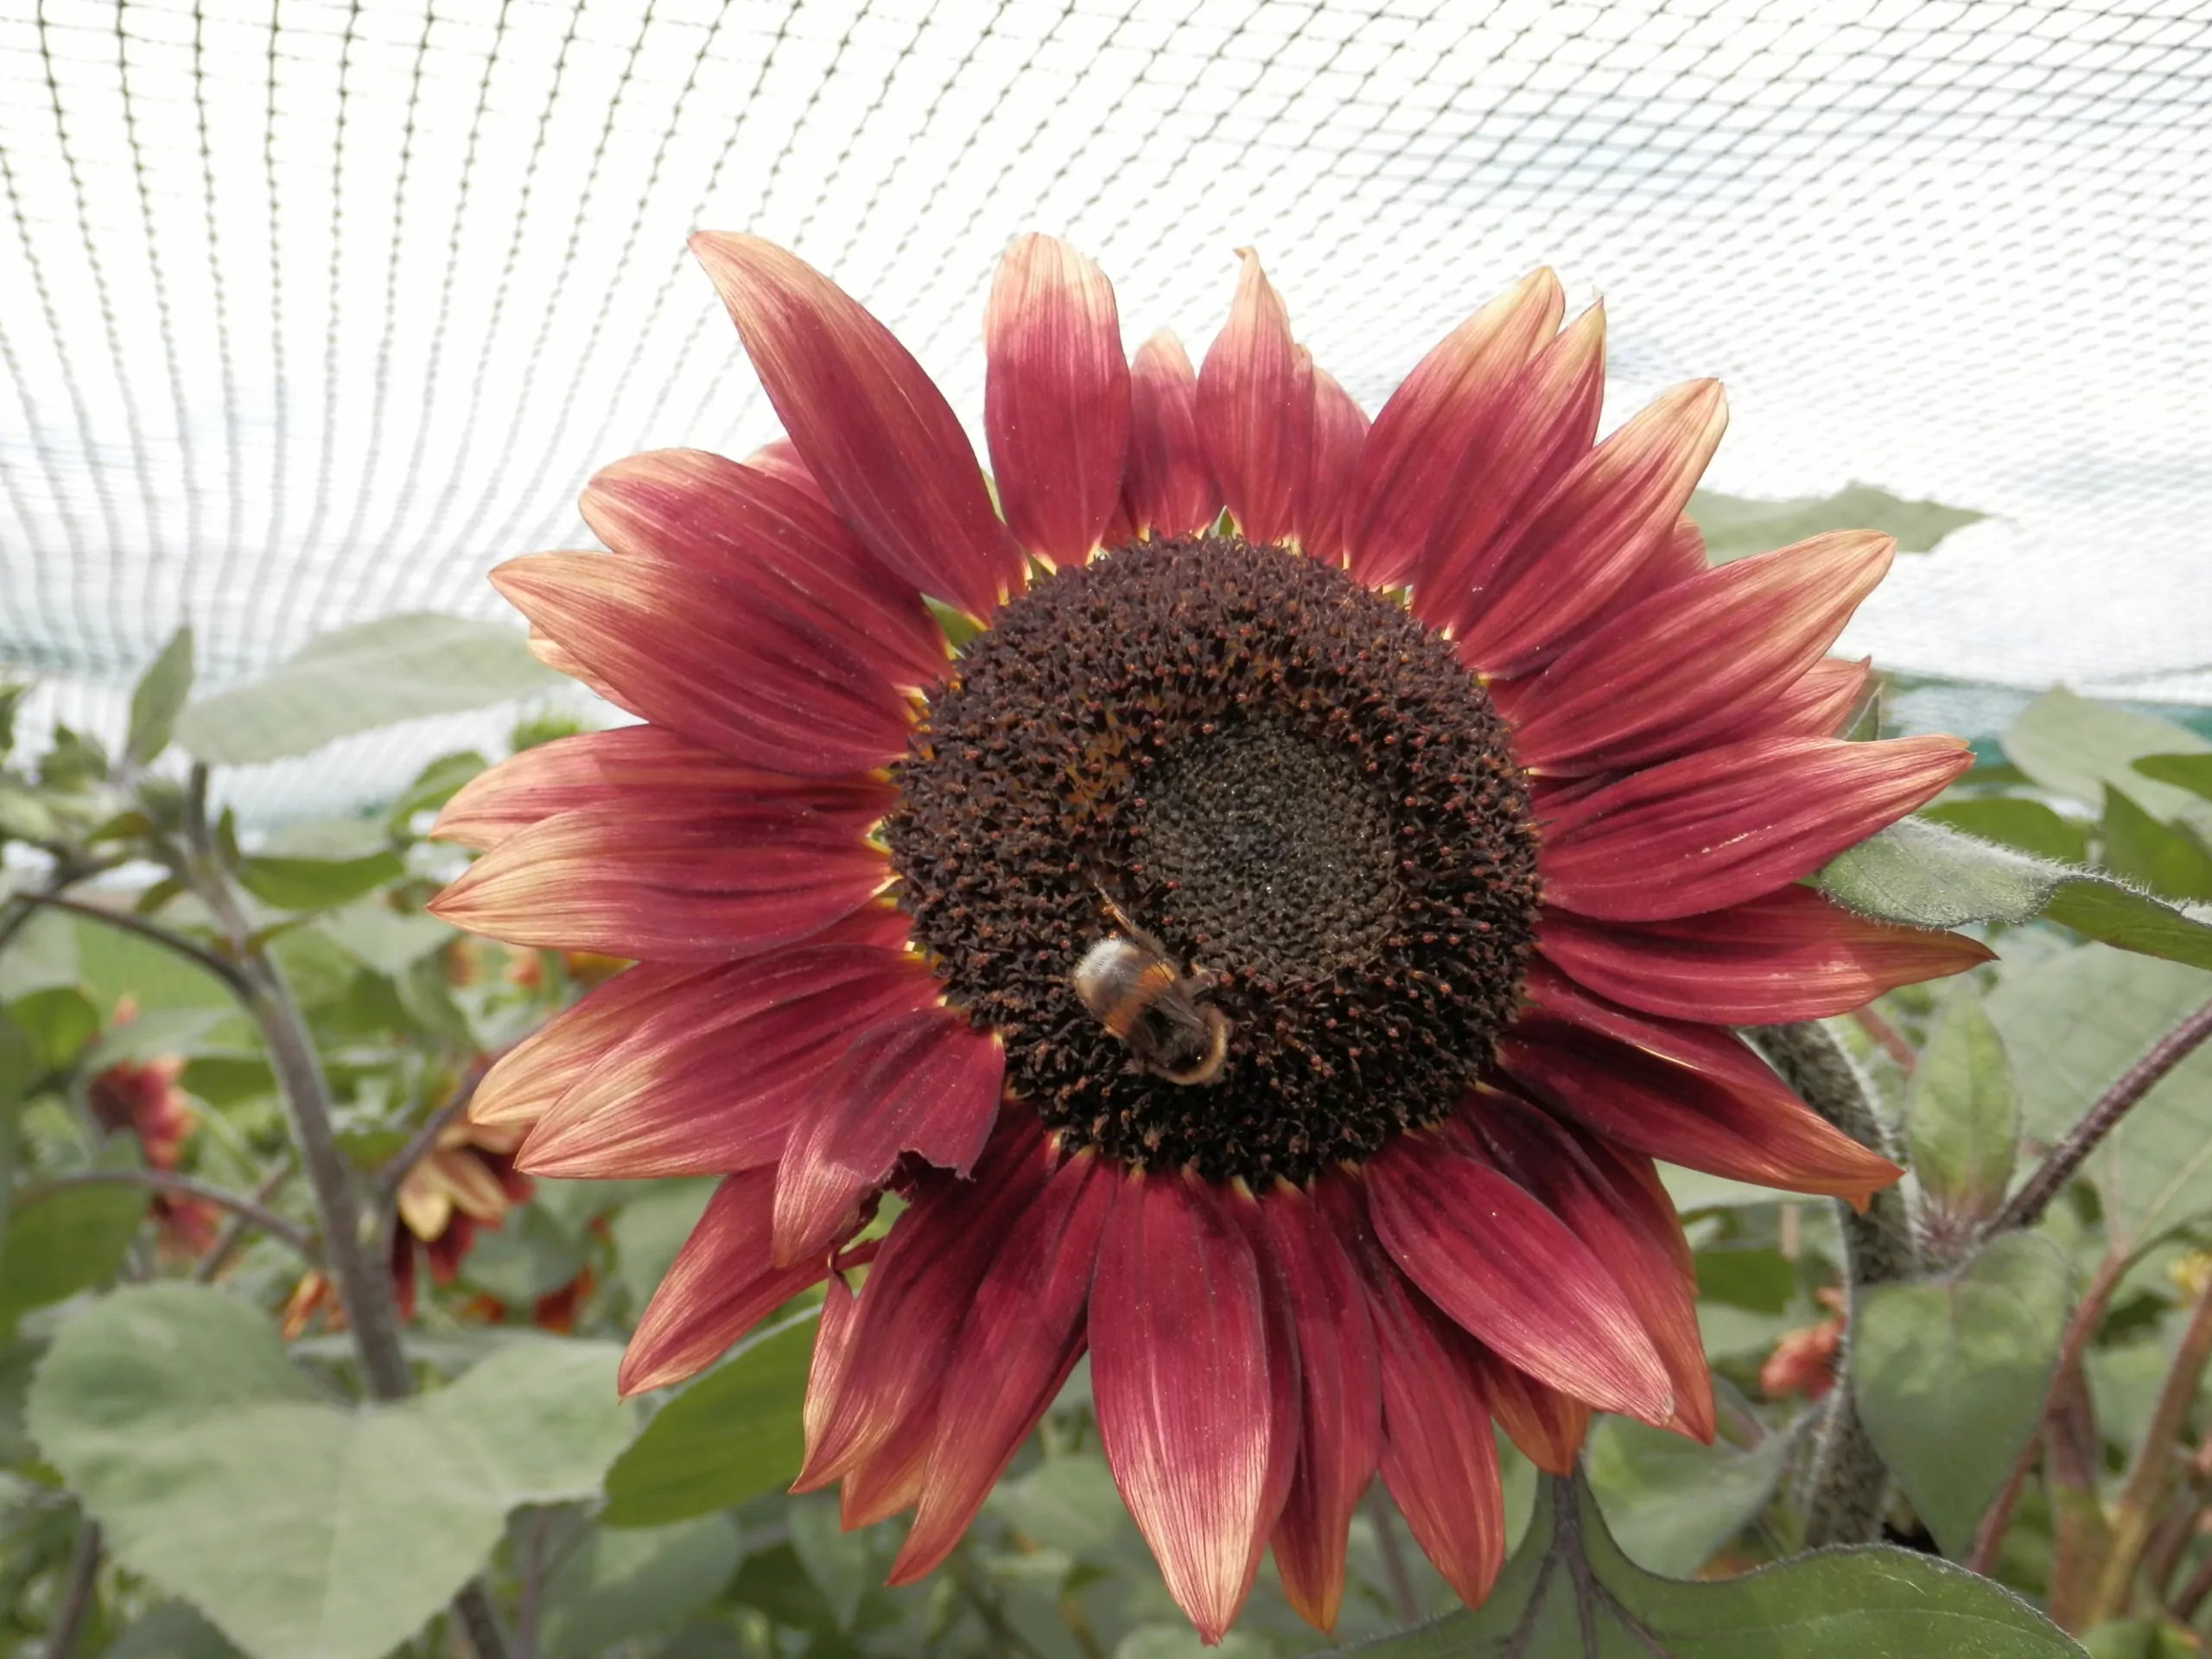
1279 779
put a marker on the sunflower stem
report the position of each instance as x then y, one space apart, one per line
364 1284
1848 1485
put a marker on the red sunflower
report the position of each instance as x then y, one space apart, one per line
1267 955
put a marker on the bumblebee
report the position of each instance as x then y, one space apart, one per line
1134 989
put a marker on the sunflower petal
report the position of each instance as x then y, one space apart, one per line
1570 554
1688 1095
877 436
1819 703
1256 410
1341 1441
766 536
1727 824
1180 1376
1018 1341
1056 398
720 1287
635 763
1788 955
1410 469
1510 1272
926 1082
653 884
1339 433
1680 669
524 1084
758 679
1547 1426
1170 489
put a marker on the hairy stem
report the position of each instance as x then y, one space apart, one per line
2051 1176
247 1209
1847 1484
76 1591
364 1282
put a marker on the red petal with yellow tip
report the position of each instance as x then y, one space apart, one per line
1412 468
1727 824
1256 410
1680 669
1332 464
1180 1376
1546 1425
524 1084
714 1083
770 538
1169 490
1340 1442
656 885
633 764
1819 703
1569 555
1510 1272
920 1286
877 434
1613 1203
926 1082
1686 1094
754 676
1440 1461
1056 398
720 1286
1529 440
1016 1346
1789 955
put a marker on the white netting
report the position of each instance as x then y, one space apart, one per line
311 311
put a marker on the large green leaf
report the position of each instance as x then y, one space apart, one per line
306 1530
732 1435
1950 1374
2015 821
2168 859
65 1241
2075 1021
359 678
1735 526
2190 772
1570 1594
619 1586
316 883
2076 745
1963 1122
1927 876
1670 1502
158 698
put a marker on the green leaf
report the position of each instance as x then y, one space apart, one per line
1670 1502
2076 745
2073 1023
59 1022
306 1530
1570 1594
316 883
434 785
2170 861
2013 821
1962 1121
158 698
2190 772
387 940
732 1435
1735 526
623 1585
651 1228
1950 1374
68 1240
171 1630
359 678
2142 1638
1926 876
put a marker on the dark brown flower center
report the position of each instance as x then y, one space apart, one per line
1282 806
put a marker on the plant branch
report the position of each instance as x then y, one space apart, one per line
77 1594
2051 1176
2150 1478
234 1231
2191 1597
1848 1483
363 1279
424 1140
167 939
249 1210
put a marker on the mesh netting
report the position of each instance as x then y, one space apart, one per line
311 311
